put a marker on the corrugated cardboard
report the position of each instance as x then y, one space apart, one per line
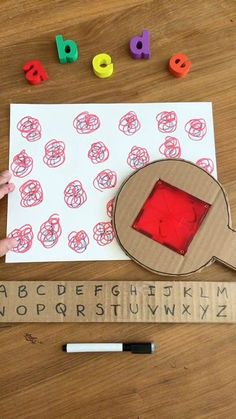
121 301
215 238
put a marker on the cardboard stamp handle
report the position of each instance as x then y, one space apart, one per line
227 252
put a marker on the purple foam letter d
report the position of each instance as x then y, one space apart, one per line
140 46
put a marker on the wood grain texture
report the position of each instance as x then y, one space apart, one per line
193 374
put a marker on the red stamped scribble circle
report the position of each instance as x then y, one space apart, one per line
106 179
98 152
196 129
31 193
171 148
86 123
24 236
167 121
129 123
50 231
30 128
138 157
22 164
78 241
206 164
54 153
103 233
110 205
74 194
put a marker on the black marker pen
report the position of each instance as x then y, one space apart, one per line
134 348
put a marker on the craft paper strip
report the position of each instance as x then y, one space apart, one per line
68 162
120 301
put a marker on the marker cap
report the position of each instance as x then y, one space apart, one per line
139 348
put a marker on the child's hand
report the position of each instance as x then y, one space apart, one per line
5 188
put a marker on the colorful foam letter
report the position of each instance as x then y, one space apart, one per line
102 66
179 65
67 50
34 72
140 46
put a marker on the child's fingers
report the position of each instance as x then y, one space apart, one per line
5 177
6 245
5 189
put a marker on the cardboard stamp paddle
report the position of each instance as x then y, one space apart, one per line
173 218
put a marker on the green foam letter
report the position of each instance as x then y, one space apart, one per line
67 50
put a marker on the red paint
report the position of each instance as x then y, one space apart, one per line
24 235
103 233
171 217
171 148
206 164
179 65
167 121
110 205
29 128
22 164
78 241
98 152
86 123
106 179
196 129
54 153
31 193
34 72
74 194
138 157
50 231
129 123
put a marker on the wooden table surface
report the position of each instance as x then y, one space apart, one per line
193 374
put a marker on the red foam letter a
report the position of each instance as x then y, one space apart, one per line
34 72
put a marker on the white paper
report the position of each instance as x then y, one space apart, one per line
56 121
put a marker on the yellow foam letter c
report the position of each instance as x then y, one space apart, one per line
102 66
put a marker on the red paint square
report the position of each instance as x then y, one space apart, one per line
171 217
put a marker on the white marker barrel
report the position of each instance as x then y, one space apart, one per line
93 347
